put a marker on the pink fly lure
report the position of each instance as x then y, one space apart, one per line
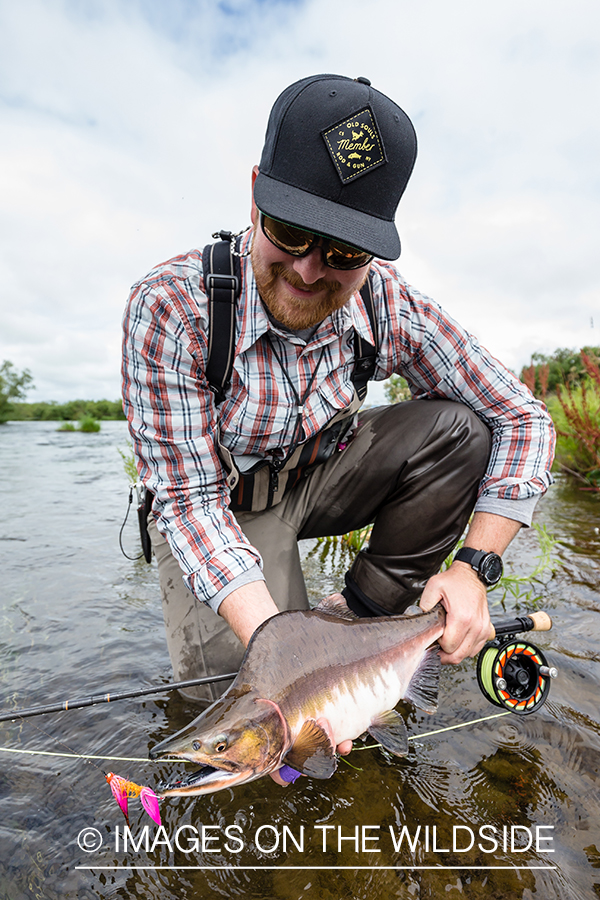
123 790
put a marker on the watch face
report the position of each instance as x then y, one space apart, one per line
491 568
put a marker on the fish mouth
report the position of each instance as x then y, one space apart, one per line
204 780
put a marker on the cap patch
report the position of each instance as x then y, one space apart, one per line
355 145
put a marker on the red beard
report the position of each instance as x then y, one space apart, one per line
294 312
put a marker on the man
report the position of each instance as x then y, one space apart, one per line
337 157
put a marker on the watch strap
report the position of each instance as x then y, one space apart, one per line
473 557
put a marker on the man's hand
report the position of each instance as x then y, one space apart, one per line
463 595
464 598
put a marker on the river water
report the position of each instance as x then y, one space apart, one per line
78 618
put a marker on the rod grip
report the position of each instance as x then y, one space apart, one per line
541 621
535 621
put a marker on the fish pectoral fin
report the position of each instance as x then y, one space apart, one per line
389 729
312 753
423 688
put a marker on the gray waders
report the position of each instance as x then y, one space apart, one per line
412 469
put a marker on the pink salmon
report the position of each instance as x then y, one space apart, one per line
300 666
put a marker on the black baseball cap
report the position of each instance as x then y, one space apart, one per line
336 160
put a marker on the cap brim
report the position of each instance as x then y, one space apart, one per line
298 207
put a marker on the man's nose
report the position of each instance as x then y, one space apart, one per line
310 267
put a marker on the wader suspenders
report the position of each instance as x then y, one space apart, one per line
222 283
267 482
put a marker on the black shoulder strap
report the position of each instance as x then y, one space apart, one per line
365 354
222 283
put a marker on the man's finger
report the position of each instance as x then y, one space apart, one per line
430 596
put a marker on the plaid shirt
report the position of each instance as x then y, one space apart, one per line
174 422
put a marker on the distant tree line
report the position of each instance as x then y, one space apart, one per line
568 381
13 389
71 411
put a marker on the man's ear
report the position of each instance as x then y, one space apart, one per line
254 210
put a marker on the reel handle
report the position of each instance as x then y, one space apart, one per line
536 621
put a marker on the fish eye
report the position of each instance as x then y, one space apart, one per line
220 744
196 745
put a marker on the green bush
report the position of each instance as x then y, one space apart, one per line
89 424
129 465
396 389
576 414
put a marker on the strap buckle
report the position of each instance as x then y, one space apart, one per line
213 281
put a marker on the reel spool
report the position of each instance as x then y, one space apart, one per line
514 674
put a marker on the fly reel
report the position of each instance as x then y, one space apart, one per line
514 674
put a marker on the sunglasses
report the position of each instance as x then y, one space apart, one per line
298 242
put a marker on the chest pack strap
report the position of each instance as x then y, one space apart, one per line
222 284
267 482
365 354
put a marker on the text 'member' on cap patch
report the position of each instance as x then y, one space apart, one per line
355 145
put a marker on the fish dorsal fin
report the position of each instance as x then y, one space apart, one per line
312 753
389 729
335 605
422 690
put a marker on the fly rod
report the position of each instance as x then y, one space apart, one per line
109 698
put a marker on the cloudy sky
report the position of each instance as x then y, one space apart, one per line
129 128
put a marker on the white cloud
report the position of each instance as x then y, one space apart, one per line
129 130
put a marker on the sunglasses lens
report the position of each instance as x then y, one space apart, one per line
293 240
342 256
298 242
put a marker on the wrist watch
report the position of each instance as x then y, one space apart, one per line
488 566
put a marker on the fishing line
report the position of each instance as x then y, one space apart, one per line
413 737
84 756
70 754
122 788
416 737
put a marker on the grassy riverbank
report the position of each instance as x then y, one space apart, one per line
72 411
